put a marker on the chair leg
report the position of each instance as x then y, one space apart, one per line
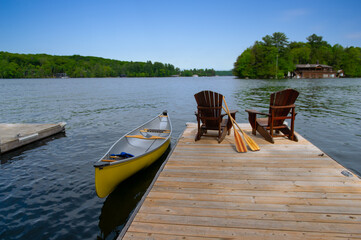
219 132
224 131
265 134
223 135
197 137
288 132
292 134
252 121
199 133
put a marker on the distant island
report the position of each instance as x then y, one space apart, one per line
13 65
276 57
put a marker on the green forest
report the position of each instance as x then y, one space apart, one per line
224 73
13 65
275 56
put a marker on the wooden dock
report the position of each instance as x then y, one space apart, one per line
16 135
288 190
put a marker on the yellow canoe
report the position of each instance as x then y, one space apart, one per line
134 151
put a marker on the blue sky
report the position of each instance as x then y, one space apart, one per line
187 34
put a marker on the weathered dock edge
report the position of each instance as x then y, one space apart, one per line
287 190
140 203
13 136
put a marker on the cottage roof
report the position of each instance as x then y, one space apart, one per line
312 66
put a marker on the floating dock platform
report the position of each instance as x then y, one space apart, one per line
287 190
16 135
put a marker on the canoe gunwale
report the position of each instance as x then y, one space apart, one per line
107 164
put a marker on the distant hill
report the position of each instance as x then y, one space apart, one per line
13 65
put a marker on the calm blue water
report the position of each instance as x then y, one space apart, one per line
47 188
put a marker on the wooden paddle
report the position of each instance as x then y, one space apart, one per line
240 145
252 144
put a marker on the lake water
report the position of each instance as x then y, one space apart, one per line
47 188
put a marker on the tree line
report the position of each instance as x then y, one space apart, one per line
199 72
275 56
13 65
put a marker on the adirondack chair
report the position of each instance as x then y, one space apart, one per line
282 107
209 115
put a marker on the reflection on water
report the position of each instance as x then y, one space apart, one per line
16 154
115 210
47 189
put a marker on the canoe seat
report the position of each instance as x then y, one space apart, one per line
108 160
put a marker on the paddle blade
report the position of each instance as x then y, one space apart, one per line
251 143
240 145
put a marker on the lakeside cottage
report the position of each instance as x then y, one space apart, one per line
61 75
315 71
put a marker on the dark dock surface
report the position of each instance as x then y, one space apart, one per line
287 190
13 136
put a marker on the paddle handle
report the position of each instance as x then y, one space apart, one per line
242 147
233 121
230 117
227 111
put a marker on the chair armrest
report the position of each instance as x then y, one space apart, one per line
251 111
232 112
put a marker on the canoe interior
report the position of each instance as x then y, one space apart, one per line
110 171
139 147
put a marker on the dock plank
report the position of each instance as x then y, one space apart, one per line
190 231
287 190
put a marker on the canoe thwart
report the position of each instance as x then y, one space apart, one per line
146 138
155 130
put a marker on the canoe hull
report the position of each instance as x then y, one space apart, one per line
107 178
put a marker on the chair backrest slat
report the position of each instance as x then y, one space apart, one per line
209 106
282 98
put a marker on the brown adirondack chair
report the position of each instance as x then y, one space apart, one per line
282 107
209 115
